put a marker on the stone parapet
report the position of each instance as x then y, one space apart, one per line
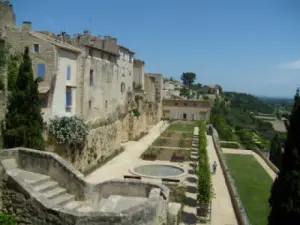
22 199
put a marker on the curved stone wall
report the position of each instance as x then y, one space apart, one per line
20 198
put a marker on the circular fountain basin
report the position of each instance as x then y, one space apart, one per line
158 171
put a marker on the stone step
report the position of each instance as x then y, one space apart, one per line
53 193
44 187
73 205
63 199
85 208
31 178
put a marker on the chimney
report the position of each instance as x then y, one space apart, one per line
26 26
63 36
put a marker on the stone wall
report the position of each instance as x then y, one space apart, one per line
101 142
238 207
19 198
2 105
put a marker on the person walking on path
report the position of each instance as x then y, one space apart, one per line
214 167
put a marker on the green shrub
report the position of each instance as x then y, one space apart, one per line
6 219
229 145
68 130
204 174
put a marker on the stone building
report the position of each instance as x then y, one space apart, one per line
125 63
186 109
56 63
171 88
101 83
158 84
138 74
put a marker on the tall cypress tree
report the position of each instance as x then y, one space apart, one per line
276 152
24 122
285 192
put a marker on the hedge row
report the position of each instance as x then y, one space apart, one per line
204 173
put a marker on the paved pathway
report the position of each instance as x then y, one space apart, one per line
222 210
121 164
258 158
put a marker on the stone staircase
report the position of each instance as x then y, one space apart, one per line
49 189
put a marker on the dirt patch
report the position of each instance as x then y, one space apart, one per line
166 154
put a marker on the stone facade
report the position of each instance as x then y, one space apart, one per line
171 88
186 109
21 168
138 73
50 61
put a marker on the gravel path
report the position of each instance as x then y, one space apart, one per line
222 209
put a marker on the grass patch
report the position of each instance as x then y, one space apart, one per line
181 127
253 185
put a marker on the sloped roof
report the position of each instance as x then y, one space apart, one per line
55 42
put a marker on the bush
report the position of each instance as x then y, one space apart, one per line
229 145
68 130
6 219
204 174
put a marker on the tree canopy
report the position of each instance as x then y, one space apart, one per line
285 192
24 122
188 78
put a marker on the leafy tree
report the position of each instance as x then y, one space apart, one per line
285 192
188 78
171 79
6 219
185 92
24 123
275 151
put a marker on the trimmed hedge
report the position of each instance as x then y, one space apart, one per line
204 173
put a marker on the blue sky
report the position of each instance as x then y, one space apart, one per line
248 46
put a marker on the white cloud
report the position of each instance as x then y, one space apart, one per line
291 65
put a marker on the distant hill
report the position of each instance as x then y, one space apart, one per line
278 101
248 102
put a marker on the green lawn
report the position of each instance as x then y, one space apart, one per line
253 185
181 127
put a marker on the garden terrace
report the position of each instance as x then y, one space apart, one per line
254 188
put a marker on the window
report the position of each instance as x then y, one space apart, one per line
122 87
106 104
68 99
43 101
41 70
68 72
176 103
90 104
185 104
91 77
36 48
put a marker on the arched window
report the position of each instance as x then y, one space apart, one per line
122 87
